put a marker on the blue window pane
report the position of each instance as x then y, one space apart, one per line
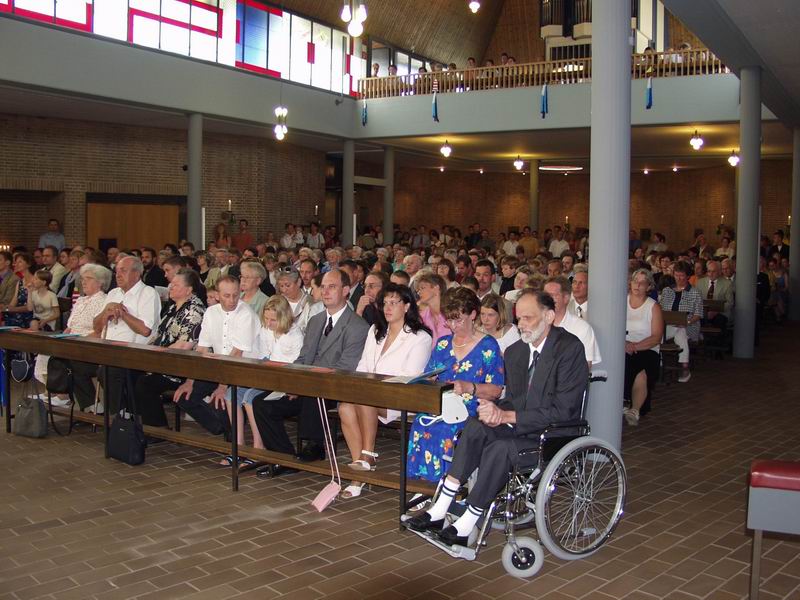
255 37
240 23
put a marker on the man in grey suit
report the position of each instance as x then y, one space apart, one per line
335 339
546 375
716 287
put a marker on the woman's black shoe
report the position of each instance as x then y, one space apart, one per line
423 522
450 537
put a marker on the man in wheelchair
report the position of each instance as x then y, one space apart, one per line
546 375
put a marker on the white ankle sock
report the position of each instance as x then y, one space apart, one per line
467 521
439 509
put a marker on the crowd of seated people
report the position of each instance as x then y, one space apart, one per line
434 300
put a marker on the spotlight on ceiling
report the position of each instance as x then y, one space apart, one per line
696 142
446 150
518 164
441 169
480 170
733 159
646 171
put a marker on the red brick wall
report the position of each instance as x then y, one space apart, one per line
268 183
672 203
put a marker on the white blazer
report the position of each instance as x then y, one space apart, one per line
407 356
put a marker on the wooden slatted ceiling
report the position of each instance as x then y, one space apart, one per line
517 33
443 30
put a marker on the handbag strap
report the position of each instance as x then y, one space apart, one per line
330 450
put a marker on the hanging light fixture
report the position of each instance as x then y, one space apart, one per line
474 6
354 14
518 164
280 129
696 142
446 150
733 159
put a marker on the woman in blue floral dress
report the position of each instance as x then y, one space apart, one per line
472 361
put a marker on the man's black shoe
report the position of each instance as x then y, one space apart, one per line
449 536
423 522
312 452
270 471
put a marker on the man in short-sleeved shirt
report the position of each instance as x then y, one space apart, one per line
53 236
559 289
130 314
229 329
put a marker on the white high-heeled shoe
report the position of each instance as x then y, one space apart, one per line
364 465
353 490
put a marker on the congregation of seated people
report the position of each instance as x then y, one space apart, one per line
433 300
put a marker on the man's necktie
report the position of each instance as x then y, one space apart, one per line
532 367
710 294
328 327
580 311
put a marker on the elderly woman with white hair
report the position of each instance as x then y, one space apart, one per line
645 328
252 274
94 280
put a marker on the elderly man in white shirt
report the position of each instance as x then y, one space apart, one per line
131 314
559 289
229 329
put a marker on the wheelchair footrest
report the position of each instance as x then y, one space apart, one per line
454 551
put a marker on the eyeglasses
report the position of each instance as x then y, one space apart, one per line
392 303
455 321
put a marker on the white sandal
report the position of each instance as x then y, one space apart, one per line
364 465
352 491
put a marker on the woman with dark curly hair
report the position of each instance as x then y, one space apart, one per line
398 343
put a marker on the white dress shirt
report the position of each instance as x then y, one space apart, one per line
558 247
142 302
584 332
283 349
579 310
223 331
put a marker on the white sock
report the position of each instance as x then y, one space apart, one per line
467 521
439 509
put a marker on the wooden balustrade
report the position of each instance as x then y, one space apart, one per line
675 63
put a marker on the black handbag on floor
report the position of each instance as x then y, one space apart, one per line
126 441
30 418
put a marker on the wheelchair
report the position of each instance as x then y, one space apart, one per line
573 494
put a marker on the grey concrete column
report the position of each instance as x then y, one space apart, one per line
747 212
348 191
609 208
794 232
194 201
533 195
388 195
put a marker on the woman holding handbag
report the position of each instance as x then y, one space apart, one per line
399 343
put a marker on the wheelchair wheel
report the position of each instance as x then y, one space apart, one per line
528 562
580 498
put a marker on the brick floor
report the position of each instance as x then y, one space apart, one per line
75 525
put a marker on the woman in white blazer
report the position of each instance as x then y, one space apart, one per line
398 343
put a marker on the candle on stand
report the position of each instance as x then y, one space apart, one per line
316 210
229 205
567 219
722 218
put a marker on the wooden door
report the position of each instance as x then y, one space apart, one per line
133 225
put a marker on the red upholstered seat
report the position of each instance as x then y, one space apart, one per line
775 474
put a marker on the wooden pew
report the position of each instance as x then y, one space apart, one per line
357 388
671 350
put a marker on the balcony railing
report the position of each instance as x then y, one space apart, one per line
577 70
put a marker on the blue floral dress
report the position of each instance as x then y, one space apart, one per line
427 445
20 319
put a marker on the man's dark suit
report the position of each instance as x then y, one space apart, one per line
555 395
355 295
340 349
154 276
782 250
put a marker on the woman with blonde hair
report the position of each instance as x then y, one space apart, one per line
280 339
494 321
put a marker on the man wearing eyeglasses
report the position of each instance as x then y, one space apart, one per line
334 339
